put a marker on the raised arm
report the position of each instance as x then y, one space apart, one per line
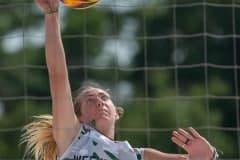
65 122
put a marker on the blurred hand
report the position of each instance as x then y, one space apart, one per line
48 6
193 143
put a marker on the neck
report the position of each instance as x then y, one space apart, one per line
107 131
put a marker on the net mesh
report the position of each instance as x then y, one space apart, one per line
170 64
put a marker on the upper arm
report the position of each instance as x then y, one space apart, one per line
65 122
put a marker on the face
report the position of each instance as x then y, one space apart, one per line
96 104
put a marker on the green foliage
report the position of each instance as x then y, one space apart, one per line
163 98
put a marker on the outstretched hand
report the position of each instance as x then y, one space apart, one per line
193 143
48 6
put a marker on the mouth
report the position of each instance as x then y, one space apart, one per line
103 113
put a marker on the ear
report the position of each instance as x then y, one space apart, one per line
119 112
117 117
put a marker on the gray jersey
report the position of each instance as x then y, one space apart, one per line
89 144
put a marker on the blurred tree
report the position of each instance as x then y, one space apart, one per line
114 46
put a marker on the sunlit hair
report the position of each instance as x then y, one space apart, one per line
38 138
38 135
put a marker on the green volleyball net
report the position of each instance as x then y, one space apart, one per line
168 63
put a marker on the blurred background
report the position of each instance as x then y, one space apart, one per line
169 63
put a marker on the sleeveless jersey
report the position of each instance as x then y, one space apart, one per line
89 144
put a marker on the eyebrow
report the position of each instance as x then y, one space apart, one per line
97 93
89 95
104 93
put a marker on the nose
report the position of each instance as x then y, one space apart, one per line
100 103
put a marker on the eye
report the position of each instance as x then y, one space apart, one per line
104 97
91 100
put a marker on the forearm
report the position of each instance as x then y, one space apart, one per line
55 56
152 154
55 59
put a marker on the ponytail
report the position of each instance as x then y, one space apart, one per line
38 137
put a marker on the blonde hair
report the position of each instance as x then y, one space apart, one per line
38 137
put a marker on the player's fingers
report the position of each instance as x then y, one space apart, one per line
179 136
194 132
179 142
185 134
53 4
